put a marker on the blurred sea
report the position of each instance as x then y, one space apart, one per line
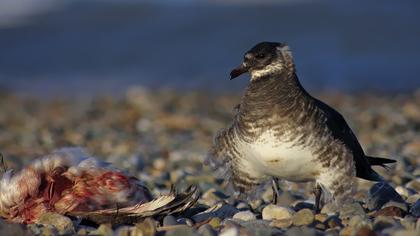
91 47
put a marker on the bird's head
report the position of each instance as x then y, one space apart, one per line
264 59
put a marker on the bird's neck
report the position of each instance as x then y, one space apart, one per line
280 88
280 95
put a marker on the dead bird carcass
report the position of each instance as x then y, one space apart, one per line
69 182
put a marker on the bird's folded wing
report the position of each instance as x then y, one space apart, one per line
163 205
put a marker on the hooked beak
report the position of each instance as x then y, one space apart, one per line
238 71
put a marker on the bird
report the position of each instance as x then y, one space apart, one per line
67 180
280 131
70 182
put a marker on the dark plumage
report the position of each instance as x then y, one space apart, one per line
281 131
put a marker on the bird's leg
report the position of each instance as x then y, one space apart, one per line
276 192
317 191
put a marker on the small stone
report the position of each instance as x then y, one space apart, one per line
413 199
299 231
159 164
245 216
365 231
48 230
123 231
347 231
207 230
390 211
82 231
267 195
414 184
145 228
402 191
380 194
242 206
321 217
15 229
103 229
220 210
406 233
62 223
350 210
299 205
401 205
258 227
333 221
85 230
320 226
409 222
169 220
303 217
185 221
271 212
256 203
211 197
329 208
415 209
182 230
358 221
231 231
283 223
382 222
215 222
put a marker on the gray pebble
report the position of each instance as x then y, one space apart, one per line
182 231
358 221
220 210
245 215
382 222
415 209
299 231
409 222
15 229
207 230
406 233
123 231
185 221
350 210
169 220
62 223
242 206
380 194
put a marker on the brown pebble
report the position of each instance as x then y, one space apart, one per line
390 211
319 225
282 223
321 217
365 231
334 221
303 217
347 231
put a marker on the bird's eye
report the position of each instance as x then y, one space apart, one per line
260 55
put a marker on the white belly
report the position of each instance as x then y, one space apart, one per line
273 157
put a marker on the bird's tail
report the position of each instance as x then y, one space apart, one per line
379 161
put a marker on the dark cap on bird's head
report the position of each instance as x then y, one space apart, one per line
263 59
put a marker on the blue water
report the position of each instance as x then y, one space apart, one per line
106 46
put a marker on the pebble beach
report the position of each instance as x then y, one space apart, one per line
162 138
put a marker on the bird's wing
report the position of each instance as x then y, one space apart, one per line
342 132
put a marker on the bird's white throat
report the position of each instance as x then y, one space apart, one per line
275 67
